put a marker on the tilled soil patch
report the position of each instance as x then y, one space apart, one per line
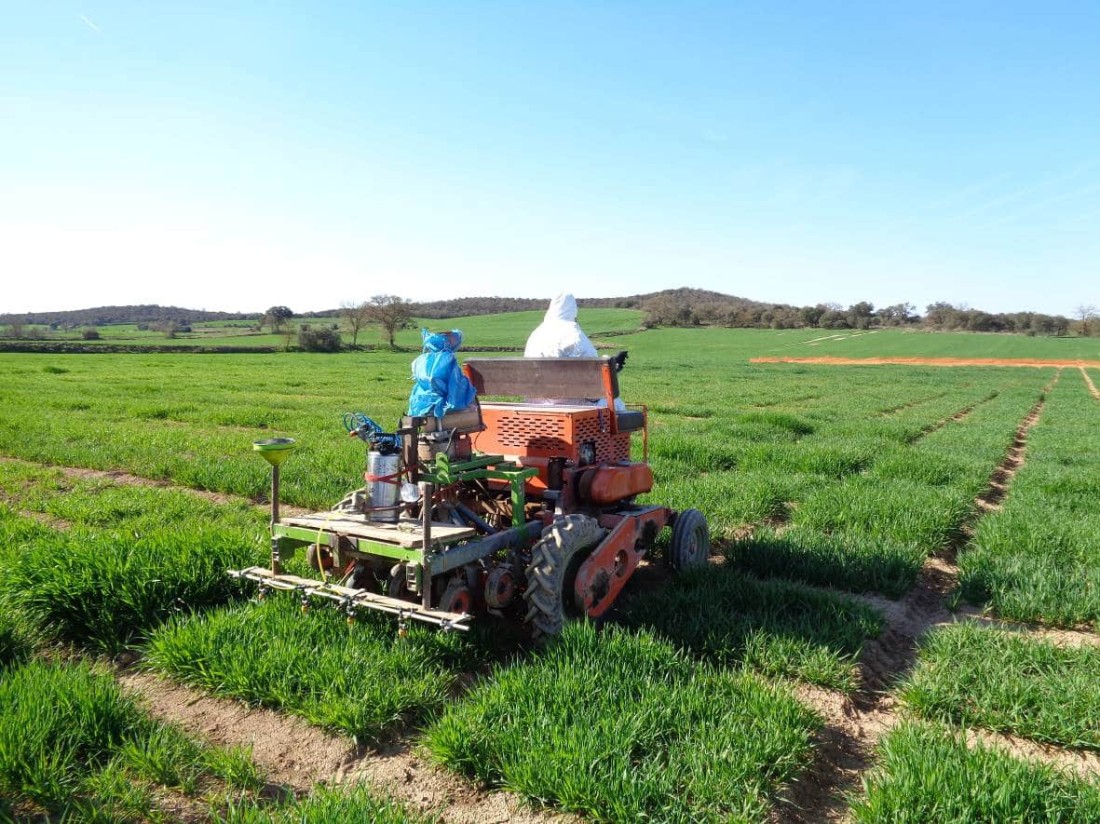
299 755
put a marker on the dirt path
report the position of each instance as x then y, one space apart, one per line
955 417
1088 382
299 756
117 476
1032 362
855 723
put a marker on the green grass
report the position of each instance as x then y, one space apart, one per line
73 745
928 774
14 646
774 627
327 806
1038 558
622 727
363 680
1008 682
872 529
132 558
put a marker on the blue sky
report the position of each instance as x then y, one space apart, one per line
234 155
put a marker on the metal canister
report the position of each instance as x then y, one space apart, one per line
383 483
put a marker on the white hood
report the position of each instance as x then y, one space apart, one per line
563 307
559 335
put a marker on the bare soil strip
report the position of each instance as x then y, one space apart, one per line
954 418
1088 382
1030 362
1058 637
117 476
44 518
854 723
901 407
999 481
299 755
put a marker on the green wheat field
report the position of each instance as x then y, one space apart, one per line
828 490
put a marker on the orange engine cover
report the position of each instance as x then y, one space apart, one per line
609 484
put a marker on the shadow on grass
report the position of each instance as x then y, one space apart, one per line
775 627
852 562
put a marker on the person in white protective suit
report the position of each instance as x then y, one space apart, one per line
560 336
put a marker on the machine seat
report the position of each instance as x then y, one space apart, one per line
630 421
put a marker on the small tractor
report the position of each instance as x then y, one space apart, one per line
523 509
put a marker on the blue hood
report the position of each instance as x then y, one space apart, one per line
441 341
438 383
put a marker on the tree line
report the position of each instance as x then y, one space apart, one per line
671 307
694 307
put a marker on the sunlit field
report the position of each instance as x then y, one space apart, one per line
829 491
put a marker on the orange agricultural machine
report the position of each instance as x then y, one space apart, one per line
520 507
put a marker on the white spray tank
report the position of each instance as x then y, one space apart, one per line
383 483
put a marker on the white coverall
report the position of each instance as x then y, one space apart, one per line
560 336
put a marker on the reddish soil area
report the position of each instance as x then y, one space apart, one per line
1034 362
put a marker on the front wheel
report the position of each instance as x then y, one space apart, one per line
690 540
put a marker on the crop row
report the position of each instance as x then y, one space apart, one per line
928 773
74 747
1038 558
130 558
365 680
872 530
190 419
1008 682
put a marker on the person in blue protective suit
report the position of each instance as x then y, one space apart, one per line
439 386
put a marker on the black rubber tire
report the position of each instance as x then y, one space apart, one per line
550 575
318 556
361 577
456 598
690 546
395 583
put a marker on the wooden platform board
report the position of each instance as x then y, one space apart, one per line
405 533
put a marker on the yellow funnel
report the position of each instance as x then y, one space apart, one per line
274 450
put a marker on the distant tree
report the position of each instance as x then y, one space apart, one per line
391 313
169 328
834 319
90 334
276 316
978 321
811 315
357 316
941 315
324 339
860 315
1086 313
897 314
16 329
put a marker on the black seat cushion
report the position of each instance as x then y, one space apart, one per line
630 421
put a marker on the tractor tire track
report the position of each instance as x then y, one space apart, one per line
121 478
1068 638
299 756
1088 382
855 723
955 417
997 489
901 407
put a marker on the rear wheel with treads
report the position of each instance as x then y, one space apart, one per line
553 570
